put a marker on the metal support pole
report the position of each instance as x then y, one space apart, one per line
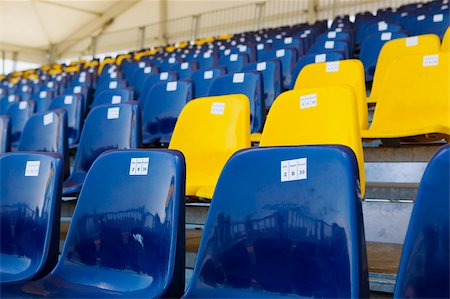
163 21
51 54
94 46
260 8
15 56
195 26
3 62
312 11
141 40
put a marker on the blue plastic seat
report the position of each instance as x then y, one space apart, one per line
7 101
140 75
207 59
271 73
72 104
424 265
106 127
20 112
203 79
43 99
108 85
166 64
289 41
249 49
113 96
161 108
185 69
5 134
288 58
84 92
126 238
370 50
330 45
234 62
435 24
47 132
314 58
294 236
261 49
248 83
150 81
29 215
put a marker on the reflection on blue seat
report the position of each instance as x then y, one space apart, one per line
204 78
271 73
370 50
47 132
248 83
288 58
113 96
20 112
161 109
126 238
150 81
234 62
73 106
6 102
314 58
185 69
424 265
29 214
295 236
106 127
5 133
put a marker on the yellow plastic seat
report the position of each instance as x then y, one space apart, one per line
104 62
121 58
345 72
421 44
325 115
208 131
414 98
445 46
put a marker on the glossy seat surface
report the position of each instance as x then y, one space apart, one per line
424 265
5 133
204 78
234 62
72 104
423 44
29 215
401 110
270 233
20 112
326 115
113 96
288 57
120 127
349 72
250 84
126 238
47 132
208 131
161 109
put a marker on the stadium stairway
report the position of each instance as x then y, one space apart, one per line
393 175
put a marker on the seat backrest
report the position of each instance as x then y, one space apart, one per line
7 101
401 109
208 131
371 47
428 43
5 133
294 236
162 107
20 112
150 81
129 244
43 99
140 74
47 132
288 57
445 46
435 24
424 265
271 73
203 80
72 104
248 83
330 45
185 69
313 58
325 115
207 59
29 214
106 127
234 62
113 96
346 72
